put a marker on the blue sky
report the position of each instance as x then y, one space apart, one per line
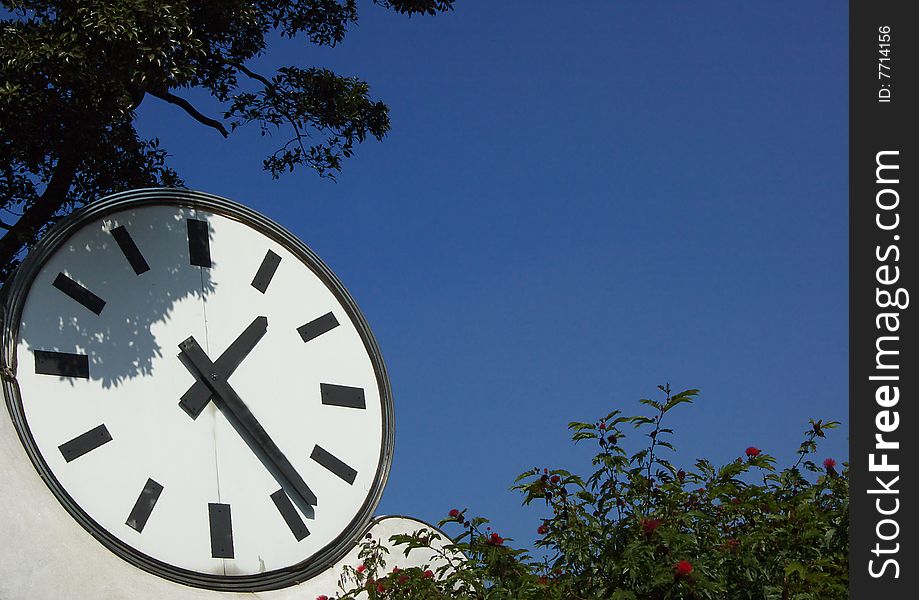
577 202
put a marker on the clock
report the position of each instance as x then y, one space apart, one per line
198 390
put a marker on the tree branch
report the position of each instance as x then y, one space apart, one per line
192 111
271 88
37 215
252 74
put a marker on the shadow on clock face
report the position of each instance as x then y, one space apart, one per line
107 305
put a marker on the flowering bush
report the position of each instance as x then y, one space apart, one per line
640 528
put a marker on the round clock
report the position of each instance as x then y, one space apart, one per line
198 390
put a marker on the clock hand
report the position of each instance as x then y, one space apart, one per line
198 395
247 426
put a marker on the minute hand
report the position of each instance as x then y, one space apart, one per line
283 471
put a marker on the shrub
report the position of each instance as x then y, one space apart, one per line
640 528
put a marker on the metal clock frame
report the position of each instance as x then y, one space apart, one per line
13 296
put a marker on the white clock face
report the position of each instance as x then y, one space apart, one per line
201 394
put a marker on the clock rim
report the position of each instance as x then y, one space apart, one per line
13 296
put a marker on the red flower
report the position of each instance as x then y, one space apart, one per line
380 588
322 597
602 425
454 513
543 581
555 479
403 578
649 525
495 540
429 574
396 569
543 530
751 452
361 568
683 568
829 463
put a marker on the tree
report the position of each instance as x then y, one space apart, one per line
641 528
73 72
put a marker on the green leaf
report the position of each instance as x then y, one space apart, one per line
795 567
682 397
578 425
585 496
653 403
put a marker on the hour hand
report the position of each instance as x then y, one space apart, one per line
198 395
247 425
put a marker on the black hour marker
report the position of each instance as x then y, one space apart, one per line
130 250
199 245
333 464
266 271
317 327
85 442
61 364
221 530
289 513
144 505
79 293
342 395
